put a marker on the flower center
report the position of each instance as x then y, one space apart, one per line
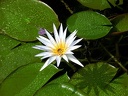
60 49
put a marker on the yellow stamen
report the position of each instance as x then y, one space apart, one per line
60 49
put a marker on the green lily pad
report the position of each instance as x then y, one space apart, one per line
27 80
119 85
93 78
60 89
59 86
60 79
22 19
120 23
18 57
89 24
99 4
7 44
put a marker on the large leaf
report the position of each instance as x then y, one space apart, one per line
59 86
6 45
120 23
60 89
119 85
18 57
22 19
90 25
93 78
27 80
99 4
60 79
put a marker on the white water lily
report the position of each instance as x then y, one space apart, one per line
58 47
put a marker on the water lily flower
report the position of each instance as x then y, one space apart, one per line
58 47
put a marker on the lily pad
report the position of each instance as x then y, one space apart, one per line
27 80
7 44
119 85
22 19
89 24
93 78
120 23
18 57
99 4
60 89
60 79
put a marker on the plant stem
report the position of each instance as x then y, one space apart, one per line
114 59
67 7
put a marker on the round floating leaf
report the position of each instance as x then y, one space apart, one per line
60 79
57 87
22 19
119 87
27 80
93 78
19 56
99 4
60 89
90 25
120 23
7 44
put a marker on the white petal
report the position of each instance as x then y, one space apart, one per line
44 54
58 59
70 37
73 59
76 41
56 34
70 41
74 47
69 52
45 65
61 32
45 41
64 34
65 58
41 47
50 37
50 60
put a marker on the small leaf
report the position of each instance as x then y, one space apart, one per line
120 23
99 4
22 19
27 80
90 25
93 78
19 56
